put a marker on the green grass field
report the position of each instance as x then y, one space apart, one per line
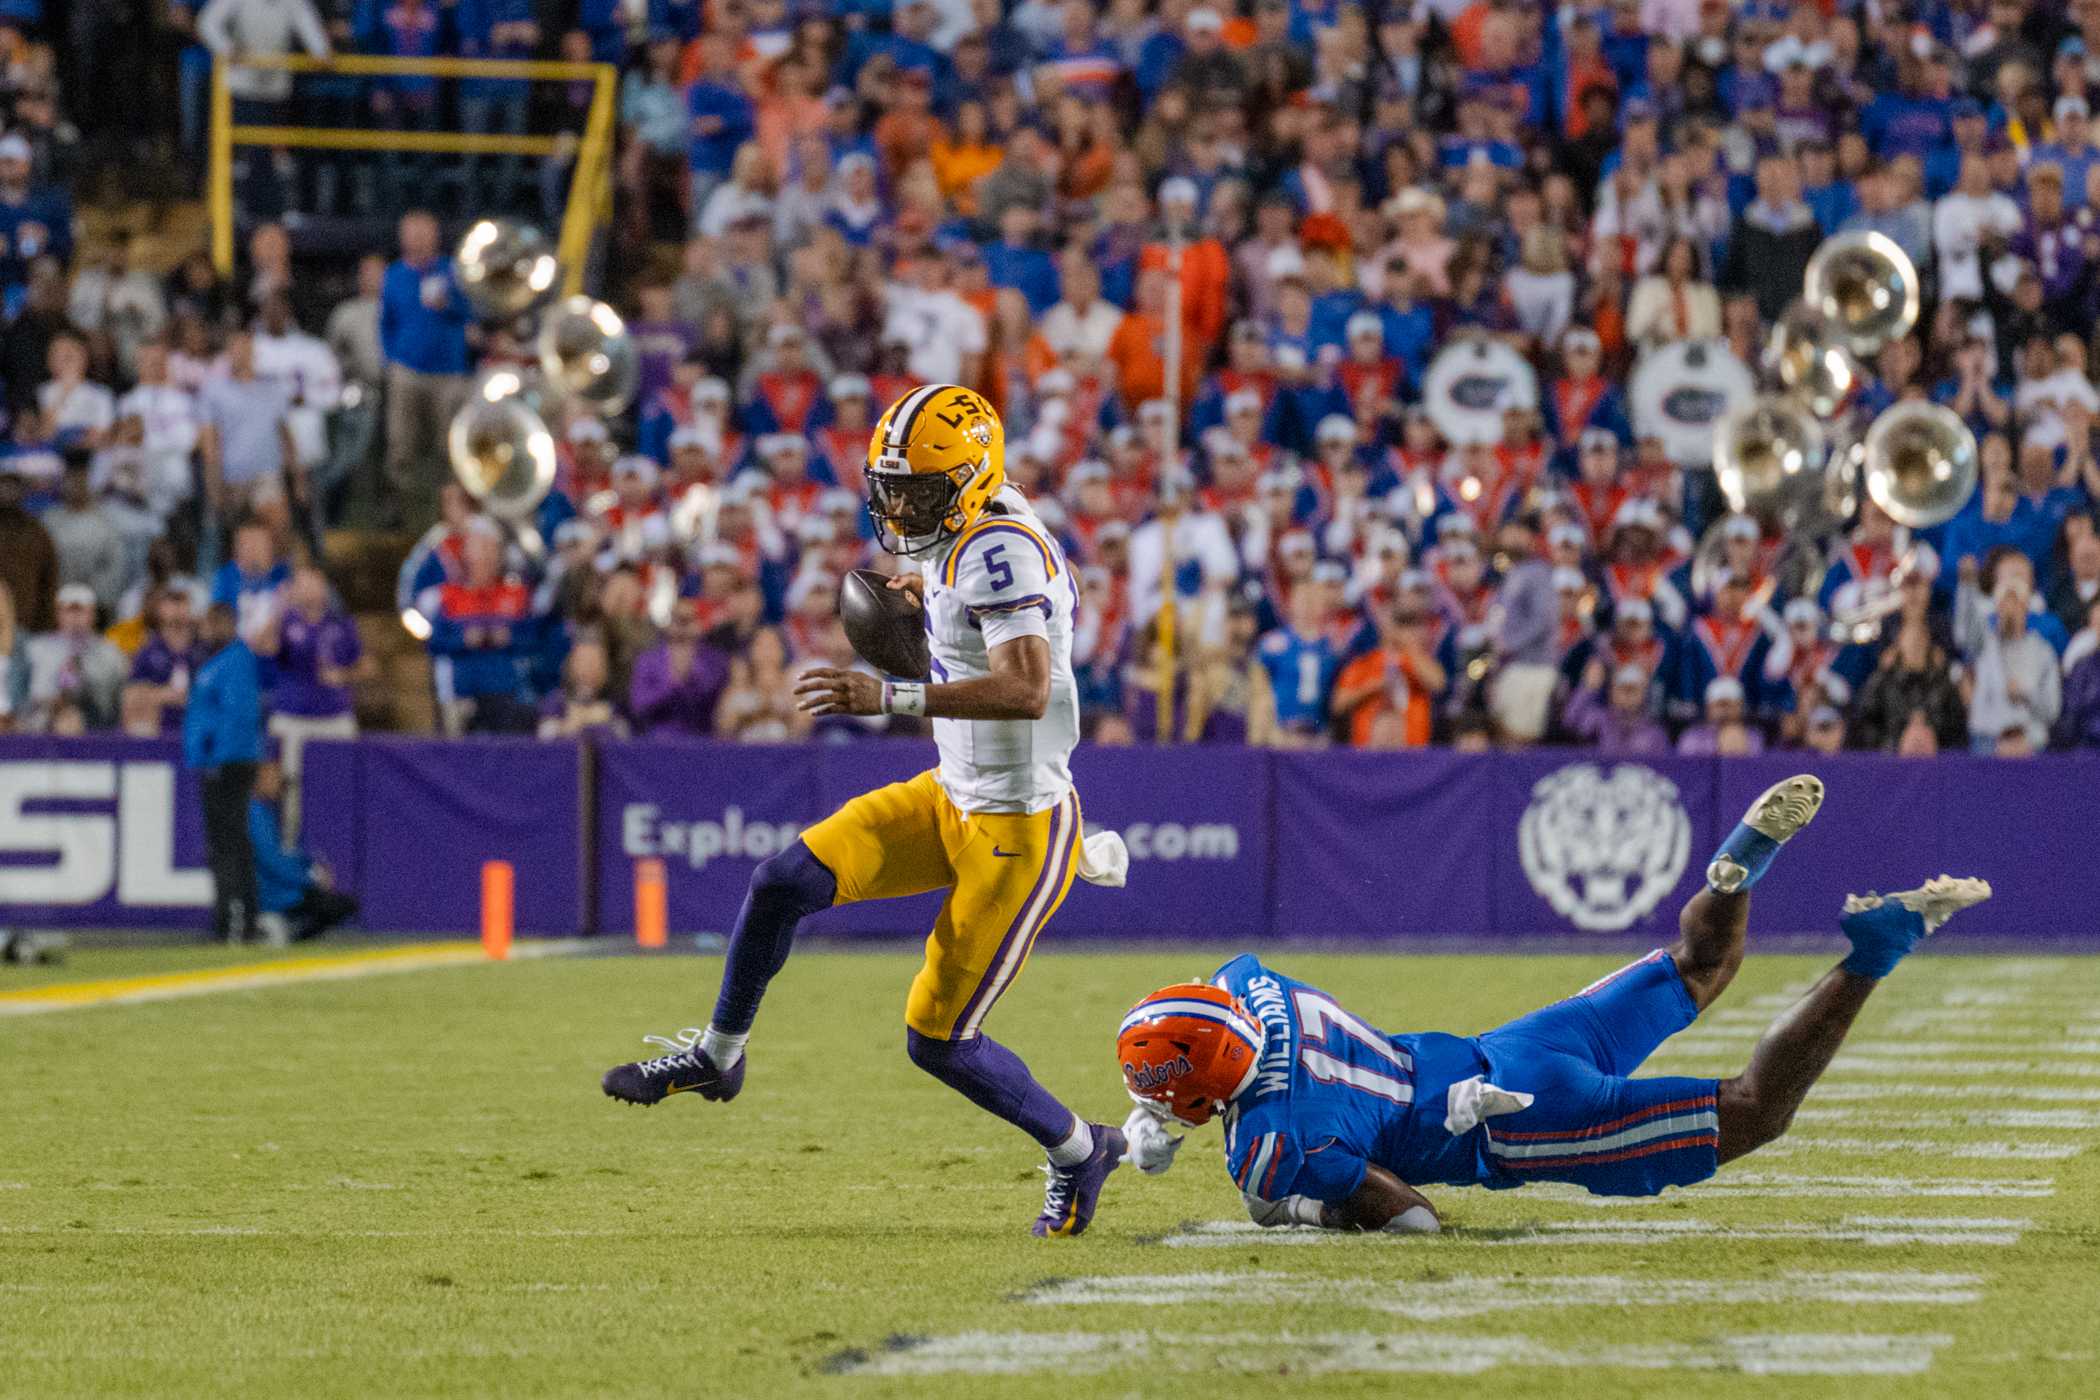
410 1185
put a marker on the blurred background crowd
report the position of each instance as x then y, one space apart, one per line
820 206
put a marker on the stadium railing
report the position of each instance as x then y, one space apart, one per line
589 204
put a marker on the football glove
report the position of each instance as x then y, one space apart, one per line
1152 1147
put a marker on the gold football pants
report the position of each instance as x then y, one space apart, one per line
1005 873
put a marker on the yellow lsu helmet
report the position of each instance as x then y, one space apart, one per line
936 460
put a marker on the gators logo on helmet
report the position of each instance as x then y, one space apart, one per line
935 461
1187 1050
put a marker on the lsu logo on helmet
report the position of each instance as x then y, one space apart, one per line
1187 1050
936 460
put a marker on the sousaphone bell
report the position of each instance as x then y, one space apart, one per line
587 355
1763 449
1921 463
500 448
1809 356
1866 287
506 269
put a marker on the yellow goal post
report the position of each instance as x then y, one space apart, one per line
590 185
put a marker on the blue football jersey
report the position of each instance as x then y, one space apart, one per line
1333 1092
1301 673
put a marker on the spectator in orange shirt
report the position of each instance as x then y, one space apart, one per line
1206 271
907 133
1088 138
1138 348
966 156
1401 678
792 106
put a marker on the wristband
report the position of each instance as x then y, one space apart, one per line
903 698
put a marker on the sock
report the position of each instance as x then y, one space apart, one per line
1742 860
785 888
993 1077
1076 1148
1881 933
723 1050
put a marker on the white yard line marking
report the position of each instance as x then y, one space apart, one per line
1784 1186
2021 969
1957 1118
1906 1049
1875 1066
1967 1025
2006 996
1442 1299
1794 1144
2017 1093
1092 1353
1946 1020
1853 1229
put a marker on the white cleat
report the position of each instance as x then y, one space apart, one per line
1779 812
1936 901
1786 806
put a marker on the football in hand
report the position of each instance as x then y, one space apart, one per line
884 625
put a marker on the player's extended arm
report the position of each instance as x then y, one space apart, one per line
1017 688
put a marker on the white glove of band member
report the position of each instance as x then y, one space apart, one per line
1152 1147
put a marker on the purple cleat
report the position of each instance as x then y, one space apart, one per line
686 1069
1072 1192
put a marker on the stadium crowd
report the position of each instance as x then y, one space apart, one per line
821 206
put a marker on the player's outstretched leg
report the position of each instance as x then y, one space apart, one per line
785 889
1082 1154
1710 946
1757 1105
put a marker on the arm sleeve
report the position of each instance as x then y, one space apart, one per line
1005 575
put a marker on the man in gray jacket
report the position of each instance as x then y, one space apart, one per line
2016 683
237 29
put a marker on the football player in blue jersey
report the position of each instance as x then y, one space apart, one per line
1332 1122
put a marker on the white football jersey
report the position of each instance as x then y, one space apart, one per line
1004 577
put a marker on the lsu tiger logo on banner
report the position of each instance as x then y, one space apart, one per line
1604 849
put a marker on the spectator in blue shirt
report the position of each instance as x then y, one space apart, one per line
423 334
222 743
2072 150
503 30
1916 120
402 102
293 891
1015 260
34 220
723 119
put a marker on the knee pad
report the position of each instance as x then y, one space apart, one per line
794 880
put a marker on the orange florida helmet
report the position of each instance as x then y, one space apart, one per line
1187 1050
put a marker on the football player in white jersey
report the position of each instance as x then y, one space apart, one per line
997 824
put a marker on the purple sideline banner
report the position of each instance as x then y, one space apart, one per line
100 833
1226 844
1373 845
1197 833
432 812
